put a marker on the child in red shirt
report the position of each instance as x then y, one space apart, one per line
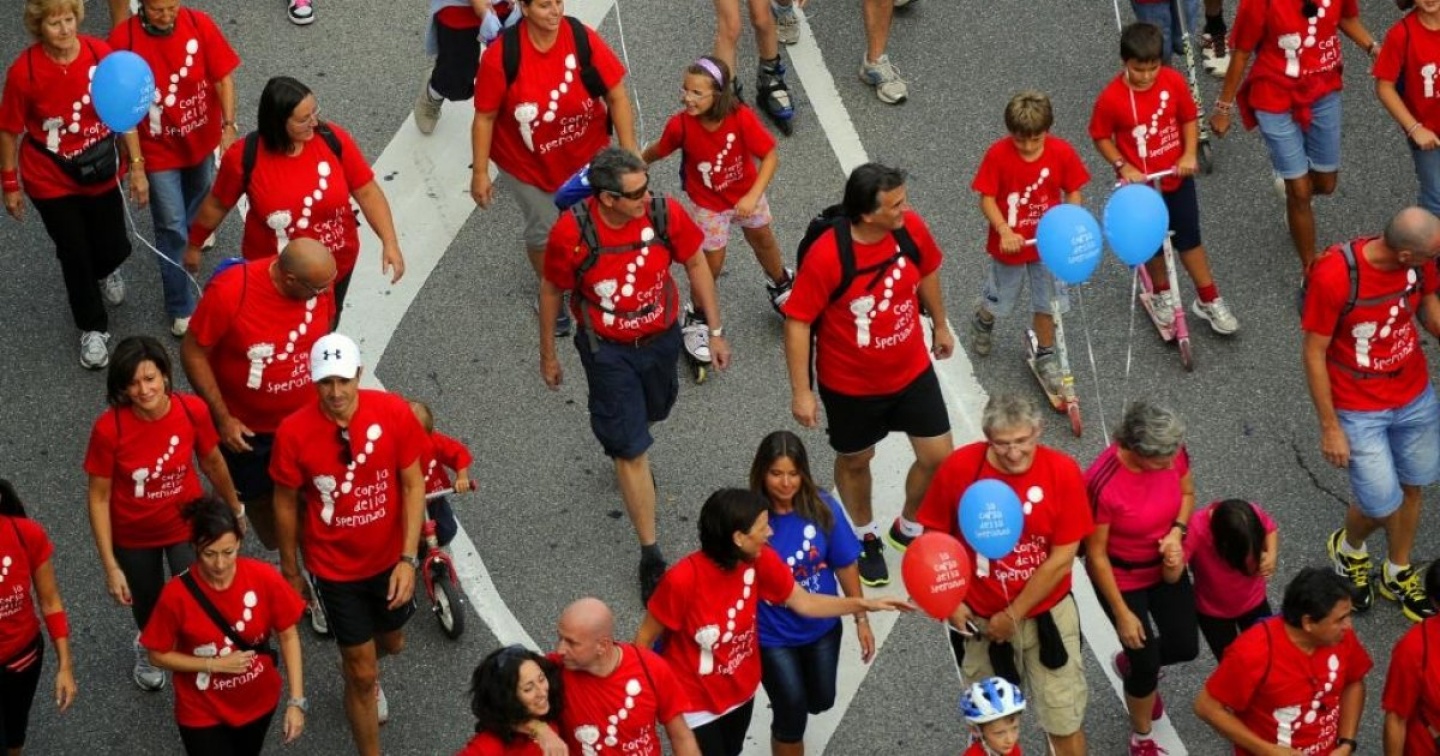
992 709
441 453
1021 176
720 140
456 31
1145 122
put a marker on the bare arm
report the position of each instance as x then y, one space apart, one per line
1430 314
196 361
1225 101
682 740
216 471
211 214
295 677
98 496
376 209
849 579
482 133
1354 28
139 182
809 604
1394 737
1333 443
1213 713
119 12
1102 575
551 300
286 501
943 341
649 632
47 591
622 116
702 292
9 162
803 405
225 89
1352 706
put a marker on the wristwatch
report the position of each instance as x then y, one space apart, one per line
1354 747
410 560
299 703
718 332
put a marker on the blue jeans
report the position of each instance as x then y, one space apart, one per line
1163 16
1295 152
175 198
1427 170
1392 448
800 680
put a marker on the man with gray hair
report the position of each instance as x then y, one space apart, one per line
1371 388
613 253
1020 603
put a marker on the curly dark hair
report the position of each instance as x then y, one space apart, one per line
493 701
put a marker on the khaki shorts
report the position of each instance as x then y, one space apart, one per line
537 207
1056 696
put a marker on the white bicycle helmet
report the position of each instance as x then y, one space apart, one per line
991 699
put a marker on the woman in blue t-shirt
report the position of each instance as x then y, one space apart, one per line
799 655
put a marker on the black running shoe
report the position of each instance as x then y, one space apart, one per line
1354 569
873 571
1406 589
651 571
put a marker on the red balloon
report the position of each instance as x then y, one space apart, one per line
936 569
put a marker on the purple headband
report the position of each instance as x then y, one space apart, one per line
712 69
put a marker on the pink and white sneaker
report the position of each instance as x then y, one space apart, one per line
302 12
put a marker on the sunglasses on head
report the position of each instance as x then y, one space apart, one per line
637 194
1309 9
512 654
346 457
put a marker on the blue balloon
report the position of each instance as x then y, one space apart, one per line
575 189
122 89
1136 222
1069 242
991 518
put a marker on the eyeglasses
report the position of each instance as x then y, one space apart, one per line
309 120
638 194
1026 442
315 291
346 456
686 94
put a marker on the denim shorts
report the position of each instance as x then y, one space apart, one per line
1162 14
1295 153
1391 448
1427 171
1002 288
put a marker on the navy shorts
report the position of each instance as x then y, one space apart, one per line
358 610
857 423
1184 207
251 470
630 388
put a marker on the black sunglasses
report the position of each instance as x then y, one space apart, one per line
637 194
1309 9
514 653
346 457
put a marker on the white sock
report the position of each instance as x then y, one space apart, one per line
1393 570
1141 737
911 529
869 528
436 96
1348 550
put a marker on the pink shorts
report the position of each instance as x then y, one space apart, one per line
717 225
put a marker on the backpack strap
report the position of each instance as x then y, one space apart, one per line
332 141
845 249
589 75
510 53
249 153
658 213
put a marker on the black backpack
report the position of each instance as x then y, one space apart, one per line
834 218
251 151
658 213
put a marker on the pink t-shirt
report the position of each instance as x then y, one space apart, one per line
1140 508
1221 590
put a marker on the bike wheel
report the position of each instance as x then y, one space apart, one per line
1187 357
449 608
1077 426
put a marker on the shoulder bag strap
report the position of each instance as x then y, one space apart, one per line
188 578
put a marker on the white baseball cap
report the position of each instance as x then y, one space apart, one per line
335 355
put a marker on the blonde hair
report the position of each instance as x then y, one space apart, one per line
1029 114
36 11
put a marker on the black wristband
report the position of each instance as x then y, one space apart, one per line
1184 529
1354 747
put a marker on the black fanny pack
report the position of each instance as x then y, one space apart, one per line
96 164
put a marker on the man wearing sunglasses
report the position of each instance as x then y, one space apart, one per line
354 455
616 265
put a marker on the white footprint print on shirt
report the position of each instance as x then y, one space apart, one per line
605 292
325 486
706 638
1290 43
612 292
526 114
1427 72
708 170
55 125
588 736
279 222
142 475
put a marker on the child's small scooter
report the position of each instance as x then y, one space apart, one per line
1178 331
1067 400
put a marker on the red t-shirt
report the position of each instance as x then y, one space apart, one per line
1282 694
458 17
1296 62
24 546
353 521
490 744
1140 508
711 638
636 286
618 713
151 468
1412 686
1412 51
184 124
870 342
546 124
978 749
1146 125
717 167
1221 590
298 196
49 107
442 452
1379 338
258 605
1025 189
1056 514
259 342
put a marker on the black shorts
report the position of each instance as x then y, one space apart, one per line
1184 207
251 470
358 610
459 56
857 423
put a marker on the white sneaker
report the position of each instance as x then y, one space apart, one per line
1163 304
885 78
427 108
787 24
1215 54
1217 314
382 705
147 676
94 350
112 288
318 621
1279 184
302 12
179 326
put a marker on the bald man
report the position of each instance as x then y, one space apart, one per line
615 692
247 354
1371 388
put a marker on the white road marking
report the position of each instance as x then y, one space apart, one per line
428 190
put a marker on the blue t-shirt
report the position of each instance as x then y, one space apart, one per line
813 556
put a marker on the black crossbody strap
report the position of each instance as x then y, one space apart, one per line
214 614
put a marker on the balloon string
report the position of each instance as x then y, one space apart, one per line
634 90
135 231
1130 337
1094 369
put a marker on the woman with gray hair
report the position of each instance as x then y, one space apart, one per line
1142 495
